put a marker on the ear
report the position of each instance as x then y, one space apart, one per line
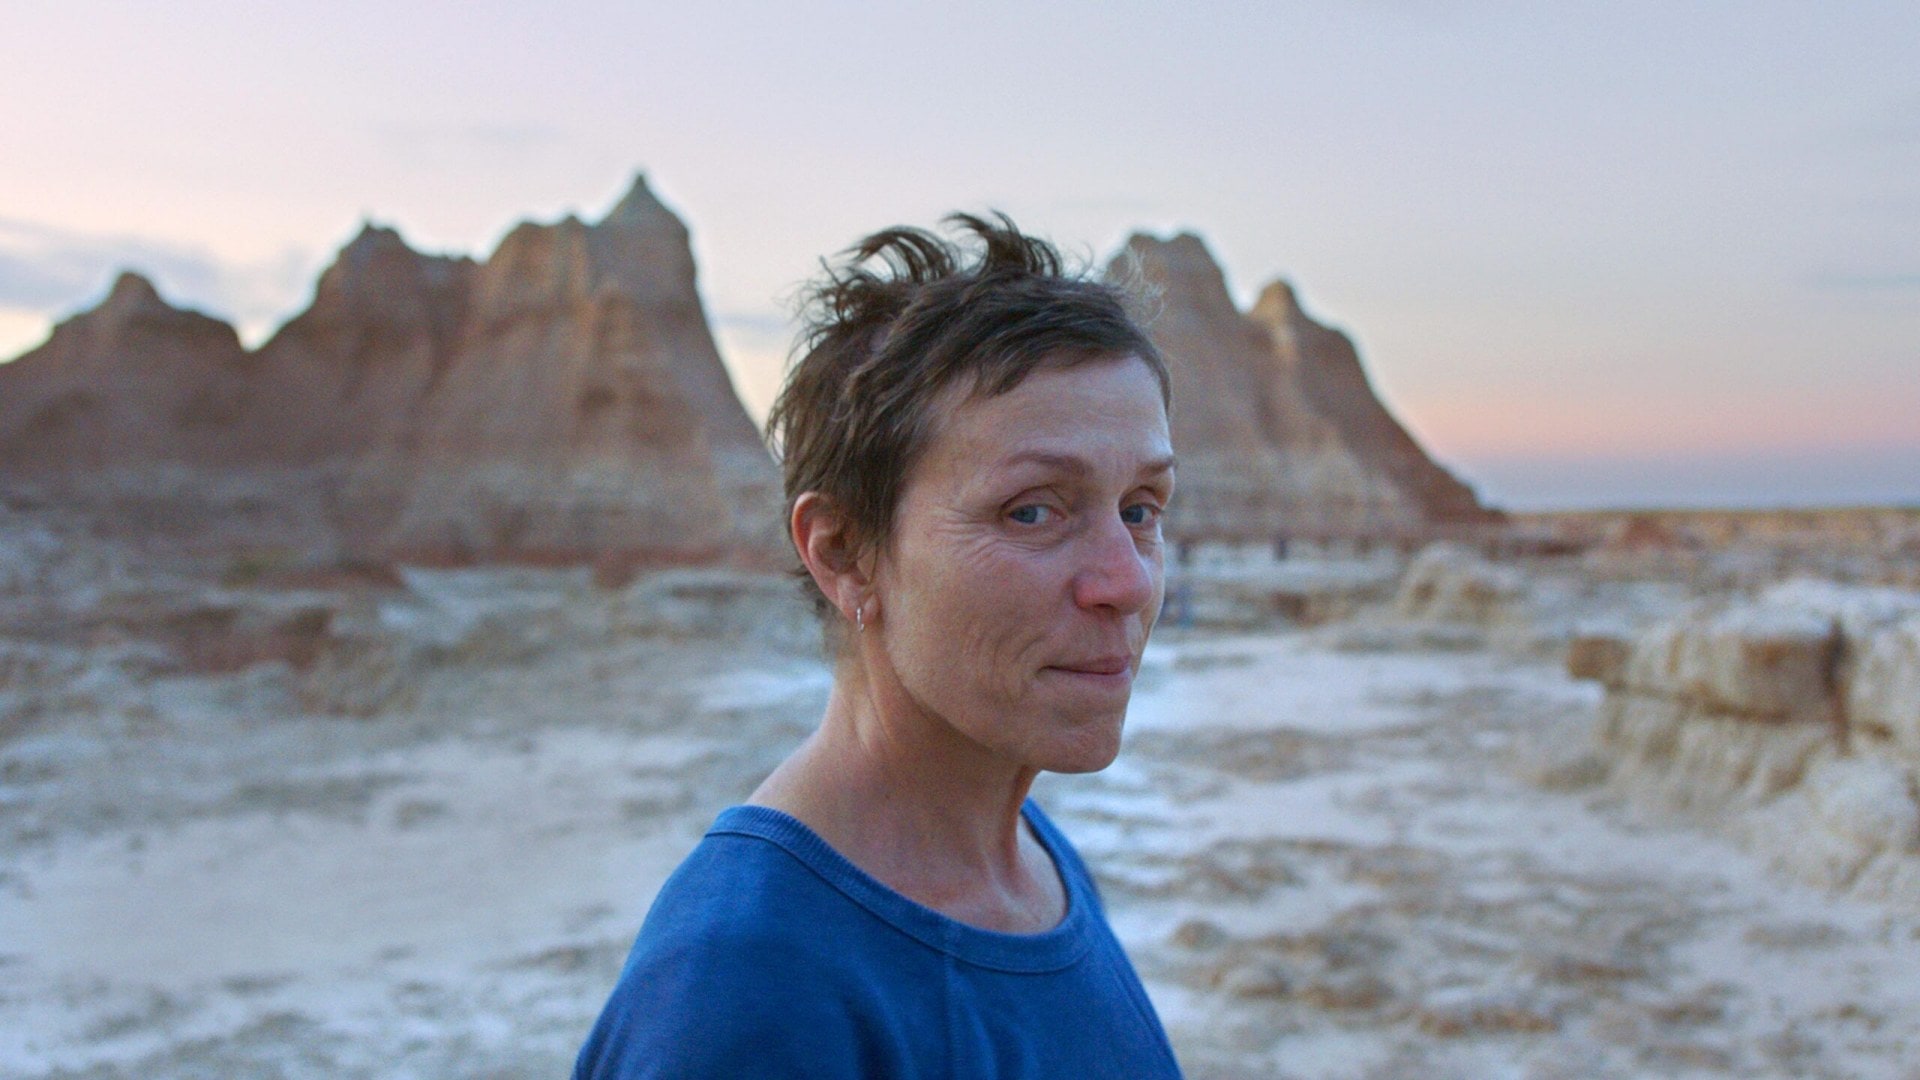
827 550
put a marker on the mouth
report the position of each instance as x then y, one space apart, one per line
1099 665
1102 675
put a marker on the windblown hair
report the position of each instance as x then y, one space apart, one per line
903 316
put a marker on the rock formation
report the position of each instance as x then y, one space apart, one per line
142 412
563 401
1795 713
384 327
1446 583
625 434
132 382
1278 431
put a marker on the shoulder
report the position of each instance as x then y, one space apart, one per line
741 910
749 964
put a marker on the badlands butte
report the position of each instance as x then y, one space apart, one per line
358 690
564 401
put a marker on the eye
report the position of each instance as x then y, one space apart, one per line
1140 514
1031 514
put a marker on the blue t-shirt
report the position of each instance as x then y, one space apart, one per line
768 954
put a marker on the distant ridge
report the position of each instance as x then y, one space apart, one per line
563 401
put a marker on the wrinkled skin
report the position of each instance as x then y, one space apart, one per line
1025 569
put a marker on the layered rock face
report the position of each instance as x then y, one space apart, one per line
133 381
385 325
625 433
1278 431
1797 711
145 413
563 401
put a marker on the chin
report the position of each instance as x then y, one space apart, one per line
1090 755
1079 767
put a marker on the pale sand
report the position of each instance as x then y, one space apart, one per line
1325 863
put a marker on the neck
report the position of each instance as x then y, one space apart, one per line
915 804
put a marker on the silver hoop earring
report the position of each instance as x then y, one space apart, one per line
860 619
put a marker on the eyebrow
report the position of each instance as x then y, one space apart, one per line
1075 465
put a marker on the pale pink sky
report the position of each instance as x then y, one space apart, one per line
1635 252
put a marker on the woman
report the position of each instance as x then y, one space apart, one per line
976 457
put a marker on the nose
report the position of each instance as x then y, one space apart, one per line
1116 572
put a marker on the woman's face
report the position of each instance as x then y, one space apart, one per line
1025 566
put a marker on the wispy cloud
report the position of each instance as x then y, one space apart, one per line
43 268
52 272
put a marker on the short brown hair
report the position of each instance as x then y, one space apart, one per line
904 315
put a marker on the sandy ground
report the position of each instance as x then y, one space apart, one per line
1327 861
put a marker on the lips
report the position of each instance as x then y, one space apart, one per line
1098 665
